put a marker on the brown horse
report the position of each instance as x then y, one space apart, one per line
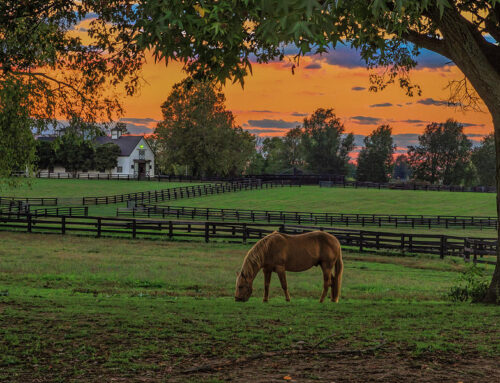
280 252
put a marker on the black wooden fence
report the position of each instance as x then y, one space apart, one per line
300 217
441 245
407 186
4 201
181 192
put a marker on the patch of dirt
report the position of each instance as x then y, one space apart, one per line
385 367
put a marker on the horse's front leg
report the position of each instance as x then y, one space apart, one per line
267 281
281 274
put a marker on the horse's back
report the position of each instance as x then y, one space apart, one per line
304 251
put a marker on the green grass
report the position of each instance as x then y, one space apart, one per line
82 309
39 187
349 200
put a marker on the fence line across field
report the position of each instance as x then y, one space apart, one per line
150 196
442 245
331 219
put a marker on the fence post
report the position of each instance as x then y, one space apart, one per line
134 229
244 233
360 241
441 249
207 232
63 225
99 226
29 223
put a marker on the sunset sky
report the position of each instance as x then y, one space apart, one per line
273 100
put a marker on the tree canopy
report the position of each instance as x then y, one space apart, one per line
443 154
375 160
70 71
199 132
325 148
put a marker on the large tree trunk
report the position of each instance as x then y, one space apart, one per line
478 60
493 294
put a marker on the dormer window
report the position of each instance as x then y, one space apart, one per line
116 133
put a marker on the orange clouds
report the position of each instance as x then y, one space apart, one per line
274 96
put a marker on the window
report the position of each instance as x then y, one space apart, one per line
142 154
132 167
119 169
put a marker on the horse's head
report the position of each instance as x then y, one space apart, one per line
243 289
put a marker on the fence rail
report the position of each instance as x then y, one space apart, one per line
407 186
28 200
181 192
441 245
300 217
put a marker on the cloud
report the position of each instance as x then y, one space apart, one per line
313 66
262 111
138 128
270 123
431 101
344 56
358 88
138 120
384 105
296 114
366 120
266 131
405 139
430 59
468 125
409 121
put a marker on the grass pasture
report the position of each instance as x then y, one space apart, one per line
76 309
349 200
76 188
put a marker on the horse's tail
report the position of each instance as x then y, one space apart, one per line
337 279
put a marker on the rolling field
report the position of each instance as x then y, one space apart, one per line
349 200
75 309
40 187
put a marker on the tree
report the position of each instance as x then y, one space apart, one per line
292 148
45 155
17 145
69 70
375 160
106 156
74 149
325 150
483 158
217 39
443 154
199 132
402 171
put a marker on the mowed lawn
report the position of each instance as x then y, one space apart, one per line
40 187
84 309
350 200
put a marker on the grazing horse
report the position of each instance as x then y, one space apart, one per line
280 252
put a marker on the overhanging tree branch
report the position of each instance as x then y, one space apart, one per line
426 42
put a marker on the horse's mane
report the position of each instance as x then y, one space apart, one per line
255 257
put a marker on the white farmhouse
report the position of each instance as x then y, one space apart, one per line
136 158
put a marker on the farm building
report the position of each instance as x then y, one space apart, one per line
136 158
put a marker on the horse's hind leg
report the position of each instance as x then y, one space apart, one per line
284 285
327 281
267 281
337 280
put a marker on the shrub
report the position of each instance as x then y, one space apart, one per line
471 285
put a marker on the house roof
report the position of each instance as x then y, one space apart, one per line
127 144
